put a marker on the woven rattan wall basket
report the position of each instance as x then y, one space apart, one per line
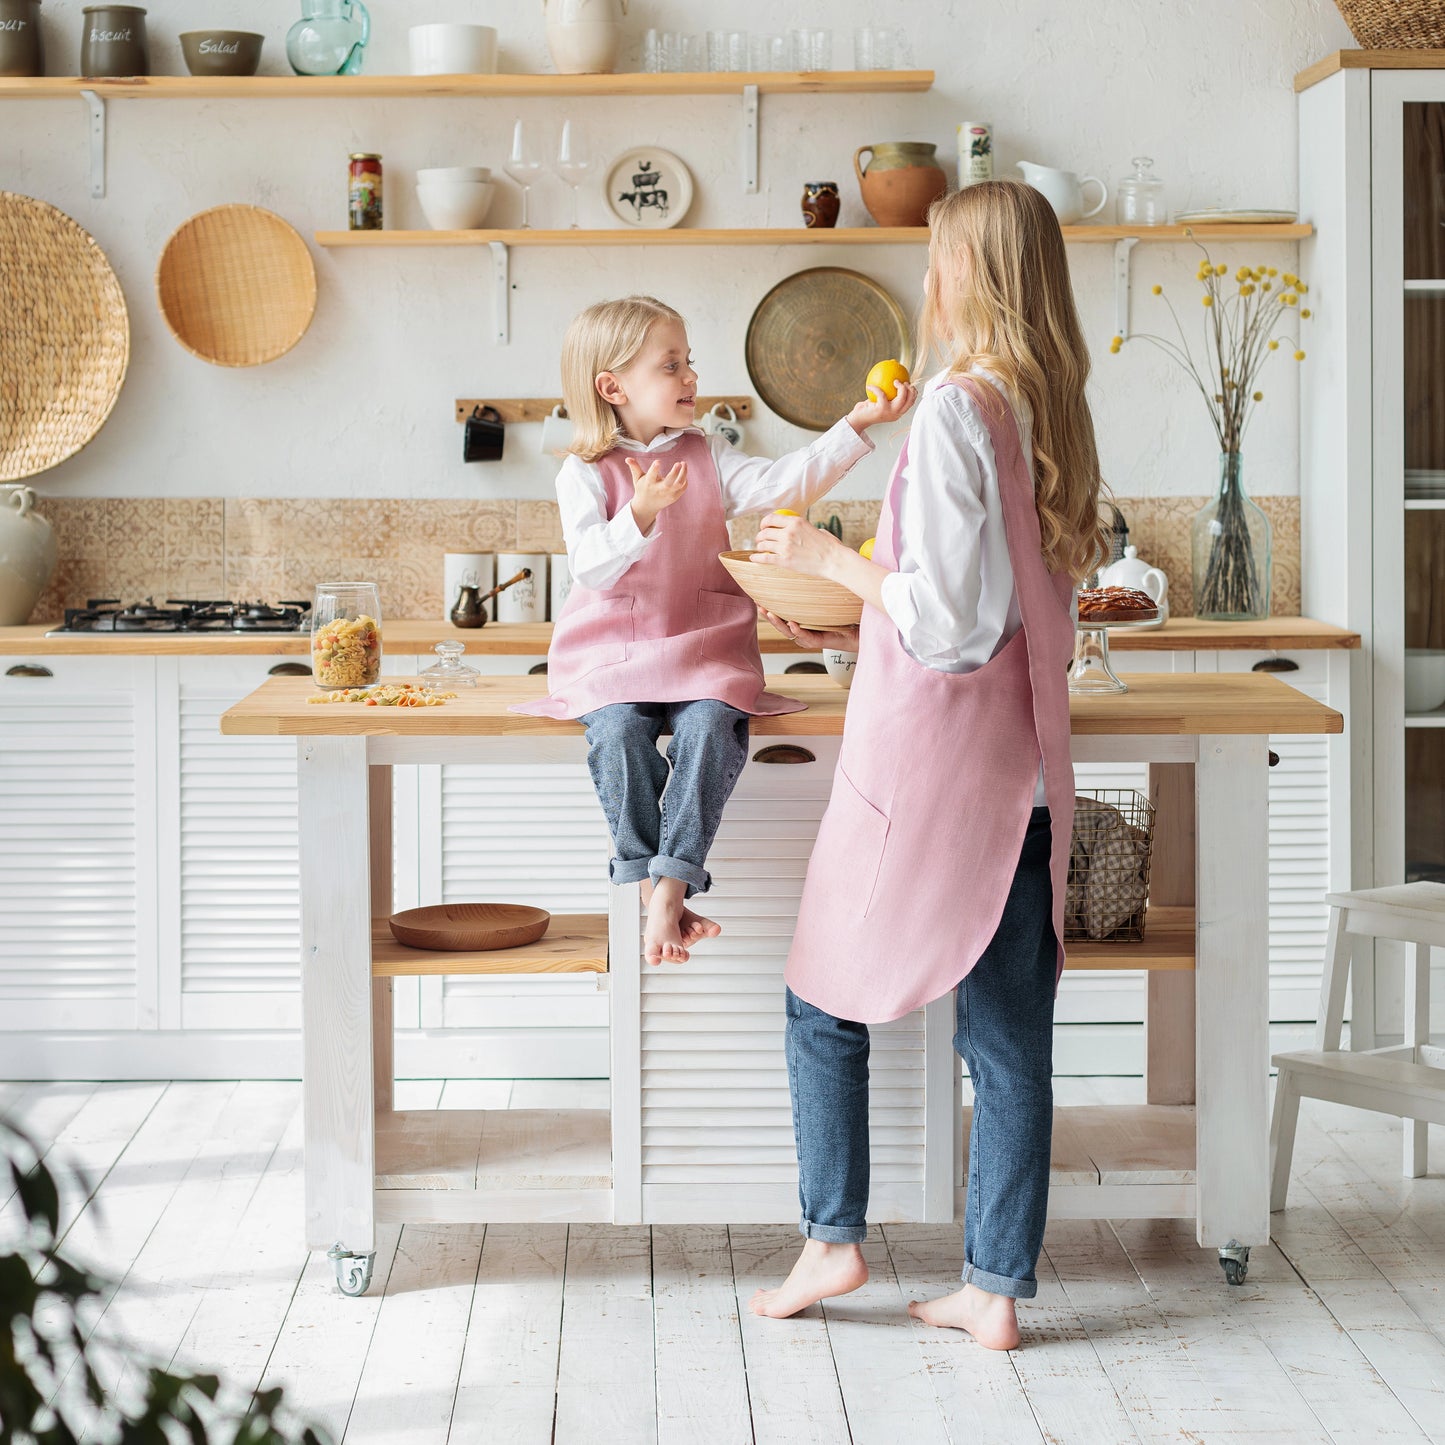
1395 24
236 286
64 337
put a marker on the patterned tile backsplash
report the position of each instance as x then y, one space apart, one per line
258 548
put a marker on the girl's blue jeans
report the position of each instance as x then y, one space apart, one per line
664 812
1005 1025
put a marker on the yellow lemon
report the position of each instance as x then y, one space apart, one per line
784 512
885 377
866 550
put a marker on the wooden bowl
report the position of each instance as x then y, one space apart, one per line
475 927
812 602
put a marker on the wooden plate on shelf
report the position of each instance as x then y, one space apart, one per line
470 927
813 339
811 602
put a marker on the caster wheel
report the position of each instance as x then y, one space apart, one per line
1234 1261
353 1271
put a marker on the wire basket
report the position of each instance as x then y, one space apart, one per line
1108 888
1395 24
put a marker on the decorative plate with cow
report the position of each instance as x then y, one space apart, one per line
649 188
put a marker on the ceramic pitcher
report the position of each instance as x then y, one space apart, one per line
584 36
27 554
900 181
1064 191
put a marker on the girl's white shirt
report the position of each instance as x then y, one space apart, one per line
599 551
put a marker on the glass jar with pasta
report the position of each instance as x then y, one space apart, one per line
346 634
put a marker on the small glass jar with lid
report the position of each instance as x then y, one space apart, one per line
448 671
1139 198
346 634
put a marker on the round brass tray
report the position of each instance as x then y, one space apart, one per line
813 339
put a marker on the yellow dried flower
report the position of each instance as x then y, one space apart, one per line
1299 356
1290 280
1116 345
1207 300
1274 346
1300 286
1158 290
1220 269
1246 290
1242 274
1270 271
1306 313
1289 299
1265 286
1259 396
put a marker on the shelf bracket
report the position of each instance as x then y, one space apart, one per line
750 140
1122 254
501 293
96 105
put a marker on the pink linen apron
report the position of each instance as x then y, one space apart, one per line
675 627
935 784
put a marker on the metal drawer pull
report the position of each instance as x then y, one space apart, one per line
1275 664
1273 758
784 753
28 669
289 669
796 667
537 669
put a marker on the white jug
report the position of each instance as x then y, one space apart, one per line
584 36
27 554
1131 571
1064 191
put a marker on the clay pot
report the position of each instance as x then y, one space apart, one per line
900 181
820 203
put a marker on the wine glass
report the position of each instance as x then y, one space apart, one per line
524 164
574 161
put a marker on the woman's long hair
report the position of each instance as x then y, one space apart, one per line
605 337
999 298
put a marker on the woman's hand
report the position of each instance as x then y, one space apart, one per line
796 543
844 639
878 410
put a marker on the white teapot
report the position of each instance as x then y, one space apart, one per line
1064 191
1130 571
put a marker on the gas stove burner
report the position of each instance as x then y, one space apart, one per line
183 614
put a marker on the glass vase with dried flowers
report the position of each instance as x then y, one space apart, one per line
1243 323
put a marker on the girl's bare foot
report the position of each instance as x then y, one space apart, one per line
822 1271
990 1318
695 927
662 940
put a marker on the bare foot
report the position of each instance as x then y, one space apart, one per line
695 927
662 940
989 1318
822 1271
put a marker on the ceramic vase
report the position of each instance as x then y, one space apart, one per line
27 554
899 183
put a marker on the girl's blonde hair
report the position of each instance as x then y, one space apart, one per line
1012 314
605 337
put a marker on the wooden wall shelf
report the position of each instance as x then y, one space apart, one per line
539 408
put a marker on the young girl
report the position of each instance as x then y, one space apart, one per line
655 635
941 860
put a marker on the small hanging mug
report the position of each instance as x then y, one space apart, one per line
722 421
483 435
556 432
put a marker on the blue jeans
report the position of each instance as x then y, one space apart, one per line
664 813
1005 1014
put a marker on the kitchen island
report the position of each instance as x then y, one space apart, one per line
699 1127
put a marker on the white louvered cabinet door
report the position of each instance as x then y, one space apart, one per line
717 1128
77 844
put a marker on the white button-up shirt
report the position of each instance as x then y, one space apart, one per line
600 550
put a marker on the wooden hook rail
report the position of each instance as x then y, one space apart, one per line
539 408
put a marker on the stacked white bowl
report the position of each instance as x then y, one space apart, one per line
1424 679
455 198
453 49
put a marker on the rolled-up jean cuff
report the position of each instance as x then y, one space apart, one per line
833 1233
628 870
698 880
999 1283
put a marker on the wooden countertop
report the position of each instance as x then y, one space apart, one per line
1156 703
412 637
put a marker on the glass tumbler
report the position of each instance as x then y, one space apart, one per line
346 634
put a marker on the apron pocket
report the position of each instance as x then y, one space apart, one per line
860 837
729 625
598 634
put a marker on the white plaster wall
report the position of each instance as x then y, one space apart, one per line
363 405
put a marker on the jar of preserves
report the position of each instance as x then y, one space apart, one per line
364 192
346 634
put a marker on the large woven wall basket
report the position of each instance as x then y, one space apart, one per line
1395 24
236 286
64 337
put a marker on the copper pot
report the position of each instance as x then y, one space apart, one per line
899 183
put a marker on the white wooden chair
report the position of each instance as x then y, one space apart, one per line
1408 1080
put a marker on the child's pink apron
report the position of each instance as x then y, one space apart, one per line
675 627
935 784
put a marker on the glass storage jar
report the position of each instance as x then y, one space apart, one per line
1139 198
346 634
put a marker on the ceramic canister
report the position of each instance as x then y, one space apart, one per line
27 554
467 569
113 41
526 601
21 51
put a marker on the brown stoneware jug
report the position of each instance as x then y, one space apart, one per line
900 181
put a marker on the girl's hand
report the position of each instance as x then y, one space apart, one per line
844 639
878 410
652 491
796 543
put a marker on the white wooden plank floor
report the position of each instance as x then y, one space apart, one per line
528 1335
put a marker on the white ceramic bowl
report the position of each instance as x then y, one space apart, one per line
456 205
453 49
1424 678
840 666
432 175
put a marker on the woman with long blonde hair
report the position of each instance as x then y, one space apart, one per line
941 861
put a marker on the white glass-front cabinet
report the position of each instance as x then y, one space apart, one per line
1372 154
